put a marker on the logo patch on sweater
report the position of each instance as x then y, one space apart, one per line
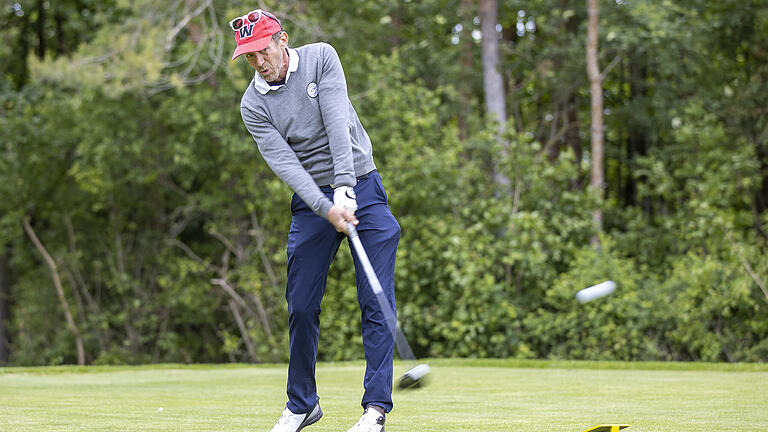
312 90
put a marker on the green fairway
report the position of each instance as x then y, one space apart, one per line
463 396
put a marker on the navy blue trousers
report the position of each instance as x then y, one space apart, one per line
312 245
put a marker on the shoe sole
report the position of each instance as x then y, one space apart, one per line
310 420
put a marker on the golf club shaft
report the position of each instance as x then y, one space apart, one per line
389 313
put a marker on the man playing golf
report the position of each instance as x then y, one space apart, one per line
297 109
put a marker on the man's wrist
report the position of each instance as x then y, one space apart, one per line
325 207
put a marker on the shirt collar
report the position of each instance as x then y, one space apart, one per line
293 64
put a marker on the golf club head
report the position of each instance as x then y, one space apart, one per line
414 378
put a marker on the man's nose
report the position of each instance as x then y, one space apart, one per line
259 58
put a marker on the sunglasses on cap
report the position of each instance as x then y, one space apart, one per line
251 17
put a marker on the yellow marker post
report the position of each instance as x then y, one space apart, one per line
607 428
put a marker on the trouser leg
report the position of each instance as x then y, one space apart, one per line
379 233
312 245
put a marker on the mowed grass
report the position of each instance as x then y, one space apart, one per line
463 395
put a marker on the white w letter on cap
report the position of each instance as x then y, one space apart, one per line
246 31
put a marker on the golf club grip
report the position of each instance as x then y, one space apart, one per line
389 314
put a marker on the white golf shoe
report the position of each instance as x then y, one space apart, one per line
290 422
371 421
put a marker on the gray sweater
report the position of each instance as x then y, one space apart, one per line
307 130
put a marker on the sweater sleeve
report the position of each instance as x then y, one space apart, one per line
283 161
334 109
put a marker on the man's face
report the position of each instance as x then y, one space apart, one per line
270 62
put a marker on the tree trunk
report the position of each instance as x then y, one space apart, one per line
61 45
761 195
59 290
573 133
637 139
243 331
493 83
573 136
564 126
5 298
397 20
41 28
465 64
596 92
20 71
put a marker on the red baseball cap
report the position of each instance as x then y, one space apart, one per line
253 31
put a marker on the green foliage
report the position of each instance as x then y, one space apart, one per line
124 147
625 325
719 314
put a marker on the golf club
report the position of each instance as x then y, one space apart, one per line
415 377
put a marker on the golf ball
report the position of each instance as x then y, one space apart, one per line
596 291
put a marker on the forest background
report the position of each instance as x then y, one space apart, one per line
138 222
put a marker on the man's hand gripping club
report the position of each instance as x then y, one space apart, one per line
343 210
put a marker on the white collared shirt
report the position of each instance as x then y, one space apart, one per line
293 63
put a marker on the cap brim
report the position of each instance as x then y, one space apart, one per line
256 45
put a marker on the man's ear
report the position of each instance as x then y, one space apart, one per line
284 39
